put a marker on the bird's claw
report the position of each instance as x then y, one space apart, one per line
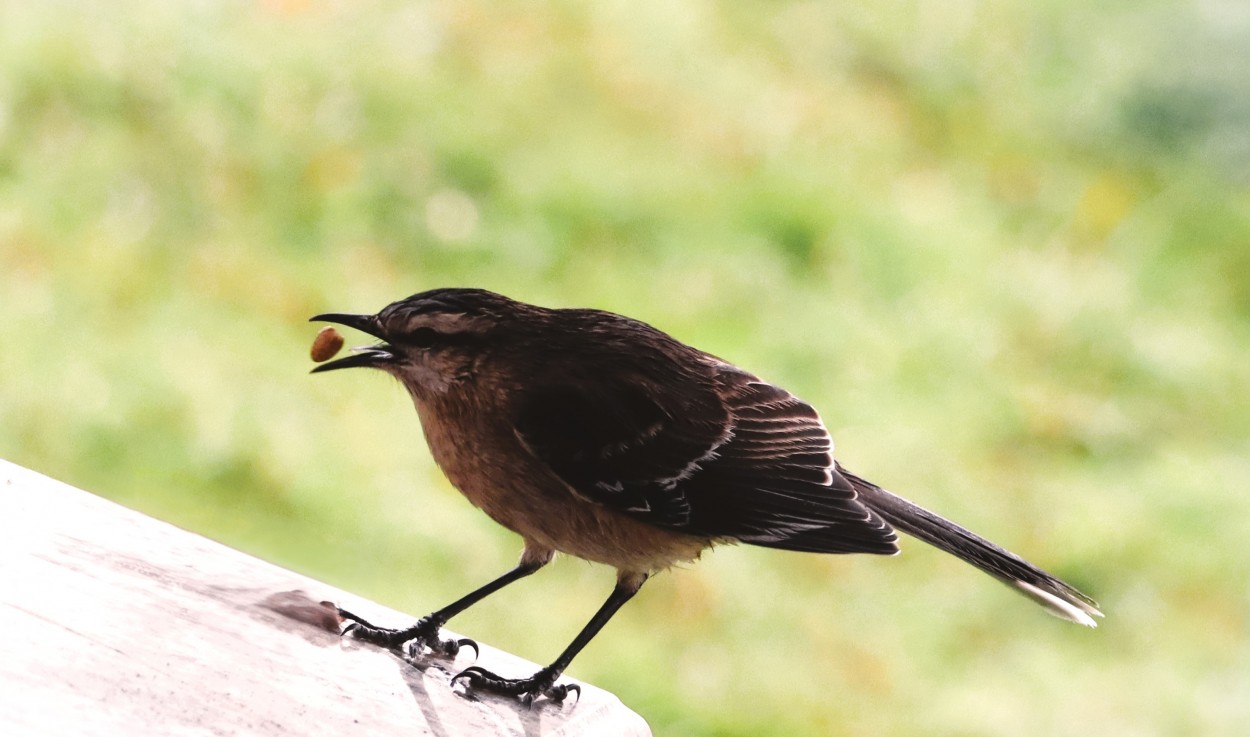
560 691
451 648
421 636
526 690
542 683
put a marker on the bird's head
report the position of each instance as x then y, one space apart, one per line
433 340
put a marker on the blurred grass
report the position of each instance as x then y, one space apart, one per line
1003 248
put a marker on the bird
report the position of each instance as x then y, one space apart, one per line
598 436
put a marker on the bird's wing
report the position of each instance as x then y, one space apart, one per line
774 481
729 457
614 443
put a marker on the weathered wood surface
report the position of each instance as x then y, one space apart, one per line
112 622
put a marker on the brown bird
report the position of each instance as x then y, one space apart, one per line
599 436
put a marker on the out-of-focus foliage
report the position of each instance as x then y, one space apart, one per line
1004 248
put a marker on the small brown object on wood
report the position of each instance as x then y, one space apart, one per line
327 343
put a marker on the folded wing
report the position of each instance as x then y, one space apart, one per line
727 456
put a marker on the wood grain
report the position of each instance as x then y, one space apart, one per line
116 623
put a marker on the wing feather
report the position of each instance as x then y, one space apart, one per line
774 482
723 455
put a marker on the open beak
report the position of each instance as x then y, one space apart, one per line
372 356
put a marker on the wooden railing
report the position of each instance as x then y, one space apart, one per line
114 623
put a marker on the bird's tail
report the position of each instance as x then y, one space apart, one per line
1054 595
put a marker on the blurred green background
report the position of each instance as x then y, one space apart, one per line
1003 247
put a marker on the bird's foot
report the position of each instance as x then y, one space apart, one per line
420 638
542 683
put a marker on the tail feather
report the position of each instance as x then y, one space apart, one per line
1054 595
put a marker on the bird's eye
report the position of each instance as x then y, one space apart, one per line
423 337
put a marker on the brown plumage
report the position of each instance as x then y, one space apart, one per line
596 435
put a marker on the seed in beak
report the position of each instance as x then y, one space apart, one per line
327 343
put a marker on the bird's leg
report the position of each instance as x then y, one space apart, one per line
543 683
424 634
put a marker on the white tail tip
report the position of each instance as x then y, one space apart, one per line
1073 611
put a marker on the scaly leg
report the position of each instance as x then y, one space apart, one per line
543 683
424 634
